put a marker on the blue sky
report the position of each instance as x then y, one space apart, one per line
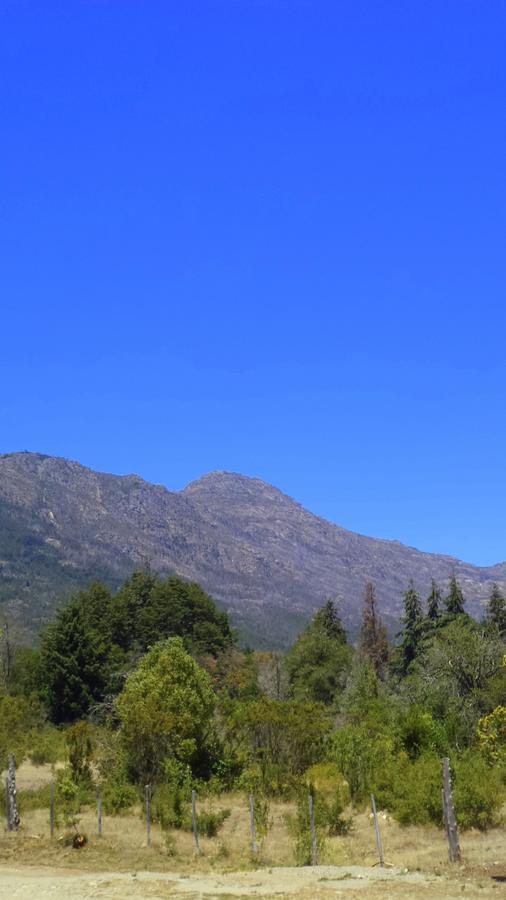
267 237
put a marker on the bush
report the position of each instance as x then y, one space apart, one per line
79 741
359 755
169 807
45 746
492 736
209 822
118 796
300 827
331 795
36 799
478 792
411 790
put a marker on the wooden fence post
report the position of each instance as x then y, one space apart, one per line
449 814
147 793
377 830
51 809
254 846
99 812
194 822
314 848
12 802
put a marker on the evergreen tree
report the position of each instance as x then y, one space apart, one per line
496 610
73 666
98 636
454 602
327 619
412 620
434 603
373 634
319 661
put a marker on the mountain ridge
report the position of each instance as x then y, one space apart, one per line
260 553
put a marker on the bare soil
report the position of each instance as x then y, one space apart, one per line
320 882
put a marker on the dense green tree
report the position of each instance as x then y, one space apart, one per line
165 710
373 634
411 636
496 610
434 601
319 660
454 602
73 665
98 637
328 621
147 609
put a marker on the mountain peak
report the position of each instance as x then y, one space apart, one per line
268 560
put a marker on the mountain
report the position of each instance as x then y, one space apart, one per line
259 553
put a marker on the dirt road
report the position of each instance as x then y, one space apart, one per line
323 882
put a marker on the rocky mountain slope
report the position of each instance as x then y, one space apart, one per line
269 561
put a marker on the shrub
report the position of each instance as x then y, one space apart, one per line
45 746
411 790
36 799
118 796
209 822
359 756
331 795
300 827
492 736
169 807
478 792
67 800
80 744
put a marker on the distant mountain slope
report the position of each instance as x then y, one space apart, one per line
269 561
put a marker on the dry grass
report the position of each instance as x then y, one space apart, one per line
30 777
123 845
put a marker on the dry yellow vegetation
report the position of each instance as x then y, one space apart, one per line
418 857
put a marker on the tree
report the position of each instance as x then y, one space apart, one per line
496 610
279 739
147 609
98 637
434 603
373 634
165 710
412 633
319 660
327 620
454 677
454 602
73 666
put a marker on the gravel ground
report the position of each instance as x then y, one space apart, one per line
28 883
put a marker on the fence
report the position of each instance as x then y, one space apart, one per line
448 807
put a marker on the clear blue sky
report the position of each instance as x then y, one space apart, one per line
267 237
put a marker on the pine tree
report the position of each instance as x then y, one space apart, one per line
412 620
454 602
373 634
327 619
433 603
496 610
